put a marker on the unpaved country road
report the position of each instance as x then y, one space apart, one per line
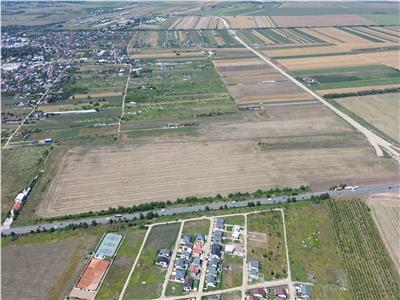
377 142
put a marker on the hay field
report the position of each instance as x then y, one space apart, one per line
321 20
382 111
253 81
389 58
223 157
386 214
30 272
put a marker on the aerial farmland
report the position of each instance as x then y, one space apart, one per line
200 150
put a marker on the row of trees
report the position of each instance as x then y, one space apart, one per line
362 93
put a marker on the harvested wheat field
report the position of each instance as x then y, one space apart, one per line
241 21
225 156
253 81
389 58
322 20
385 209
382 111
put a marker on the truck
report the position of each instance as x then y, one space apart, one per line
48 141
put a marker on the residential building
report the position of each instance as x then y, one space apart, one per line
188 284
214 262
281 292
181 264
164 253
229 249
212 270
200 237
220 223
180 275
218 236
216 250
186 239
211 280
260 293
162 261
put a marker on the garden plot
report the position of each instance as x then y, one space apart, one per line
176 89
80 128
98 81
252 81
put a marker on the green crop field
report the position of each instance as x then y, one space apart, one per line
371 272
268 246
249 38
313 251
119 270
352 77
147 279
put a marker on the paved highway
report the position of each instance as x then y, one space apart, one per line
213 206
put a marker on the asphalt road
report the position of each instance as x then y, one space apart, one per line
213 206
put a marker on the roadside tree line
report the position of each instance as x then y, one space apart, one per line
191 200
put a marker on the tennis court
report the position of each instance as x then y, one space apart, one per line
108 246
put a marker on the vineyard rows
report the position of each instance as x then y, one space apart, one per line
371 271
